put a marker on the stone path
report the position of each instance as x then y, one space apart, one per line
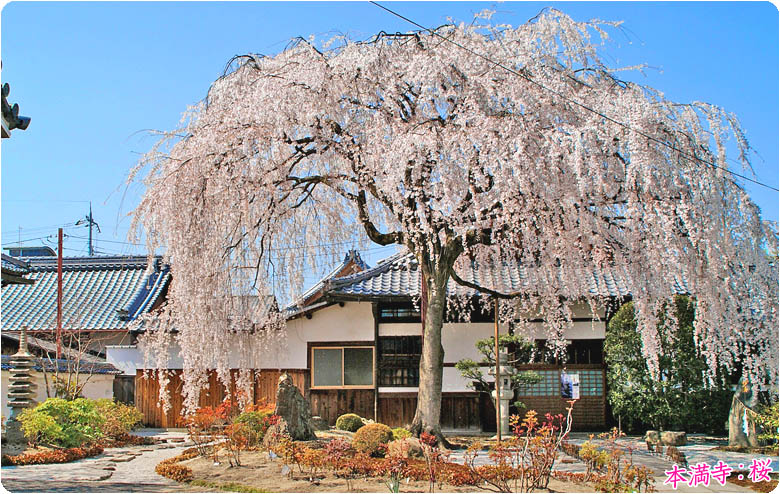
129 469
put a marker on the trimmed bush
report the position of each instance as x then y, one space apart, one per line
369 438
400 433
63 423
119 418
349 422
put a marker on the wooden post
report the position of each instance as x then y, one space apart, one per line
498 373
59 293
375 313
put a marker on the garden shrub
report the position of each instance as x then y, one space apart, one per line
349 422
169 468
63 423
38 427
768 420
119 418
369 438
400 433
52 456
257 423
179 473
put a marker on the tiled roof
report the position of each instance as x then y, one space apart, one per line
85 367
399 276
102 292
14 265
42 347
46 352
307 298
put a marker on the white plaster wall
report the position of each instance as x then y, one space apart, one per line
452 381
125 358
98 386
458 339
353 322
400 329
580 330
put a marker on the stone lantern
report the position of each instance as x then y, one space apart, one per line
20 395
506 372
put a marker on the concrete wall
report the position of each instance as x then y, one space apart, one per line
98 386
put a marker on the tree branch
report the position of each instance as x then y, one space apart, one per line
474 286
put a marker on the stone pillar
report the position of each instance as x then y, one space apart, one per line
20 395
507 392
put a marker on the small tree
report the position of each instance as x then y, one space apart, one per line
521 352
679 397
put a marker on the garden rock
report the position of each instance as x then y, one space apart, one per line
671 438
294 409
275 433
409 447
319 424
652 437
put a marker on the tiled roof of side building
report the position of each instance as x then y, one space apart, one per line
309 296
399 276
14 265
99 293
64 365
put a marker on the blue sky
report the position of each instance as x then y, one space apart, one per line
94 77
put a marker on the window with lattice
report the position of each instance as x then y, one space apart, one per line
399 360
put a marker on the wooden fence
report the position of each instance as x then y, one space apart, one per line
147 393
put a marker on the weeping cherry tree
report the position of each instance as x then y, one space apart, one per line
465 145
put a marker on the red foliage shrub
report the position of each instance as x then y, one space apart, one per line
179 473
52 456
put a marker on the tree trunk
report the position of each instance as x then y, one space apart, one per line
428 414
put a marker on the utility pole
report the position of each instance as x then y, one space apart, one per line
498 372
59 292
89 220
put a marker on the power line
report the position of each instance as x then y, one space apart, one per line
45 200
581 105
27 240
275 249
39 228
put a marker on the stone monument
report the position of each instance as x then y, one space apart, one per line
294 410
743 431
20 396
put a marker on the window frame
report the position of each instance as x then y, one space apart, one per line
413 357
342 347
